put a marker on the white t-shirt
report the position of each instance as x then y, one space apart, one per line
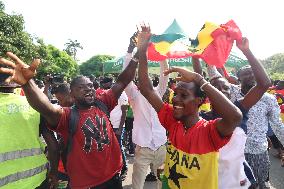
115 114
231 159
147 129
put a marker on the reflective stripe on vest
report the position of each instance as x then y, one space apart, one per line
19 154
21 175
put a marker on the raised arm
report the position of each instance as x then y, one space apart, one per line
21 73
196 66
261 77
129 69
146 87
229 113
163 79
131 89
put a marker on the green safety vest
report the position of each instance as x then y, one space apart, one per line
23 165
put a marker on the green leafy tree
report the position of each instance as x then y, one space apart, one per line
275 66
94 66
2 6
71 48
13 37
56 61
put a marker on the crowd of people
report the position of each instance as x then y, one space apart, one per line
202 130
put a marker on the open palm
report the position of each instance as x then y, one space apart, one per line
20 72
144 37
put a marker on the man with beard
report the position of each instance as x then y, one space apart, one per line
94 161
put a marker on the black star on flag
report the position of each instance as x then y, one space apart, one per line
175 176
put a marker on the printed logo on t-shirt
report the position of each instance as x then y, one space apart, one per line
185 170
95 131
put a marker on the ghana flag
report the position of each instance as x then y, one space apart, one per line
213 44
192 154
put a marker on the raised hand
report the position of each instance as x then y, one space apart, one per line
20 72
144 37
243 44
186 75
133 40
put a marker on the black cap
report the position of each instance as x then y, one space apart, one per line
106 80
3 78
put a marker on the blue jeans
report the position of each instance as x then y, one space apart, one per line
120 139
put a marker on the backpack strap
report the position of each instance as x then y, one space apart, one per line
73 122
102 106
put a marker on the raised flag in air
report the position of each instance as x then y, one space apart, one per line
173 43
213 44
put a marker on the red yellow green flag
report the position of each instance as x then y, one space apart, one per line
213 44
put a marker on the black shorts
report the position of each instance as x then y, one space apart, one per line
113 183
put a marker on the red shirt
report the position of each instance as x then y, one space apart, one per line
99 91
95 156
281 91
203 132
282 108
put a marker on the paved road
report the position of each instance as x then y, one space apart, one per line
276 175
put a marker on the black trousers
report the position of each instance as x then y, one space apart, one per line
44 185
113 183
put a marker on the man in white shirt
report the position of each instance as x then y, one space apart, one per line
148 134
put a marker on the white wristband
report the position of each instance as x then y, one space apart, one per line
203 85
134 59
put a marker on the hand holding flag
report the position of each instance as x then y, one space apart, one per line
243 44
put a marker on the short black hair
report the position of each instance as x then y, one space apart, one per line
3 77
241 69
155 81
63 88
75 80
106 80
199 93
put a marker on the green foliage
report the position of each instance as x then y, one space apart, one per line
13 37
56 61
94 66
71 48
277 76
2 6
274 65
